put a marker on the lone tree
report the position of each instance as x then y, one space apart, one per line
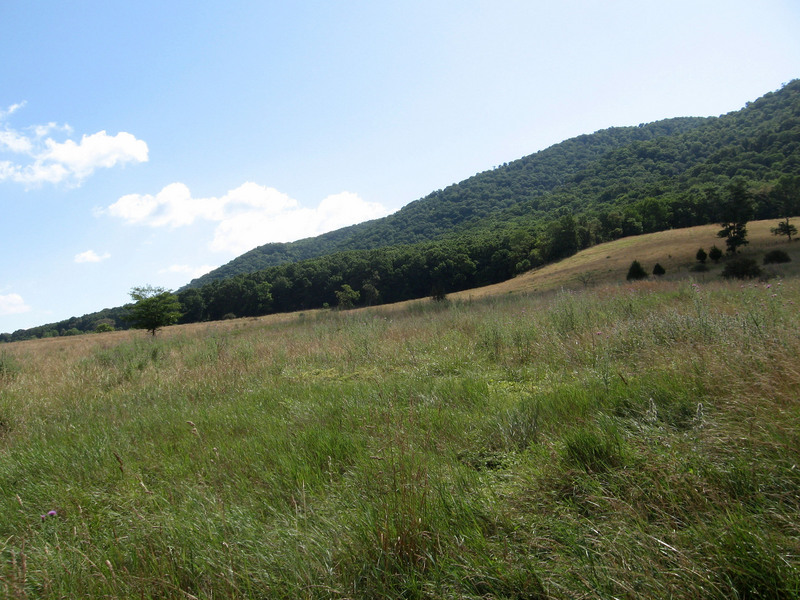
658 270
715 254
636 271
155 308
784 228
736 211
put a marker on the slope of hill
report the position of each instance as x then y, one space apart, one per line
674 249
585 191
459 205
623 168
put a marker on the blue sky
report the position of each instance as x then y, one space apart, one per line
147 142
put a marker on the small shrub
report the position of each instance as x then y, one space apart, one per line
701 256
636 271
658 270
715 254
776 256
741 268
228 316
438 294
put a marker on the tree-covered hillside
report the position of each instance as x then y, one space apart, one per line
654 173
460 205
590 189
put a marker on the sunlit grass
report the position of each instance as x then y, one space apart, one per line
622 441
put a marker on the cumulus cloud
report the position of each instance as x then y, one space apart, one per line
39 158
13 304
172 207
246 217
90 256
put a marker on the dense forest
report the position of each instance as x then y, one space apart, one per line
643 173
590 189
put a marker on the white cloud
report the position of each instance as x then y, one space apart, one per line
173 206
248 216
13 304
90 256
41 159
95 151
15 142
11 110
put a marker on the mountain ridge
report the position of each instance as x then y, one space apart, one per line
363 236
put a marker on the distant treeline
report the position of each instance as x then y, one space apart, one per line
590 189
485 256
493 253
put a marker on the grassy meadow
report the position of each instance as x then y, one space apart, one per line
618 441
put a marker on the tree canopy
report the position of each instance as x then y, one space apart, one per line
154 308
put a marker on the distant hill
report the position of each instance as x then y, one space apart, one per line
461 205
674 249
613 169
585 191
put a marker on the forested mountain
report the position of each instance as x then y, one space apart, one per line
589 189
644 171
460 205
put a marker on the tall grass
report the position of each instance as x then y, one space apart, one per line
630 442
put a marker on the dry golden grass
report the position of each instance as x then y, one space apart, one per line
609 262
602 264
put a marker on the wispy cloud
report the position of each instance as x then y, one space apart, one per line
36 157
13 304
90 256
247 216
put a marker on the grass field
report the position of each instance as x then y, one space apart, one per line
608 441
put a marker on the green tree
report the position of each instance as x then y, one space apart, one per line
784 228
636 271
347 297
659 270
154 308
701 256
370 293
193 305
715 254
786 196
562 237
736 211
